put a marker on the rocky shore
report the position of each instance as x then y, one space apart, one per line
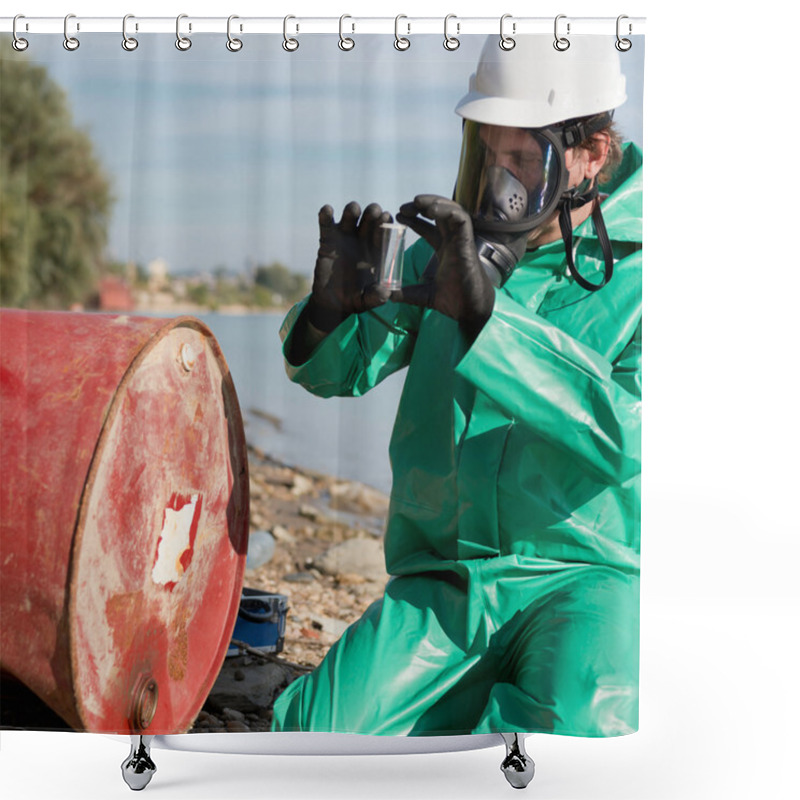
328 561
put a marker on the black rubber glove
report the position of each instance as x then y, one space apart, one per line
347 261
454 283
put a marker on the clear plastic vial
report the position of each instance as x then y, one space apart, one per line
392 251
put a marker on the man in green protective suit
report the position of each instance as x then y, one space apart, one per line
513 532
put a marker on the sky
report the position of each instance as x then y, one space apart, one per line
224 159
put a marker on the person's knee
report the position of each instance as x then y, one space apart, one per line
574 654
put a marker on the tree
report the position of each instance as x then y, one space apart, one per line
55 199
280 280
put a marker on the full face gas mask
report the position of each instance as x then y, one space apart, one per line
512 181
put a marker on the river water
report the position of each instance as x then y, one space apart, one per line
347 438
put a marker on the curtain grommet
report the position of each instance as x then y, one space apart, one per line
17 42
233 44
451 42
507 42
183 43
401 42
289 44
623 45
71 43
129 43
561 43
345 42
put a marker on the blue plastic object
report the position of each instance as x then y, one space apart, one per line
261 622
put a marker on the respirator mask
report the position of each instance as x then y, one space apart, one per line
512 180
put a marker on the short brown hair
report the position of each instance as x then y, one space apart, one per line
614 150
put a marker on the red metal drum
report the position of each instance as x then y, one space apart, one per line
123 515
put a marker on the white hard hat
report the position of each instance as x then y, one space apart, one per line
535 85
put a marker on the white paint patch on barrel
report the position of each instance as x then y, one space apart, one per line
174 542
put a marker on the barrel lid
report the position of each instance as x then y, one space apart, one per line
161 541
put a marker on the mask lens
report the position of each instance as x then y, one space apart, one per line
507 175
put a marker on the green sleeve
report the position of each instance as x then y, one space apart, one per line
565 392
365 348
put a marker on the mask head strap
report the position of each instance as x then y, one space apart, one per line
573 132
574 200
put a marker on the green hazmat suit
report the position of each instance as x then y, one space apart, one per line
513 530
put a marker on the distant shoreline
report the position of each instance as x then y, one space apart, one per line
189 308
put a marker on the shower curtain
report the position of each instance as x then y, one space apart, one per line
440 520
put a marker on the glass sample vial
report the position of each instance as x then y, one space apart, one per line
392 250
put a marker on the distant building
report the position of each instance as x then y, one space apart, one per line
114 294
157 275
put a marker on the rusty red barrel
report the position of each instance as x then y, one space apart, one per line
123 516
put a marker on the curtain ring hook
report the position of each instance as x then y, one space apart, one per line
233 44
507 42
623 45
345 42
289 44
400 42
451 42
561 43
18 43
128 42
70 42
182 42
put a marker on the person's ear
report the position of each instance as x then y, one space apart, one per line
597 155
